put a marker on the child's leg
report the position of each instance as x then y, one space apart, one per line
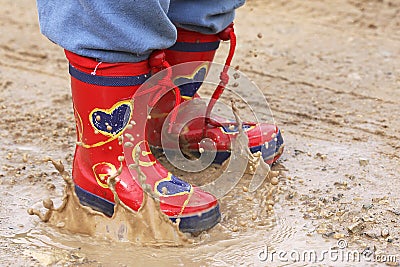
201 24
204 16
110 113
109 31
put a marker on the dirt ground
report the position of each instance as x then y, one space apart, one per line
331 73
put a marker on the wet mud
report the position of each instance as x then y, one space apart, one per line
147 226
330 71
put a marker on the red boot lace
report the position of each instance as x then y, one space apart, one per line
225 35
157 62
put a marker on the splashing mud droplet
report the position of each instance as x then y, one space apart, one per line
256 164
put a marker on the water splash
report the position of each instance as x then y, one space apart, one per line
147 226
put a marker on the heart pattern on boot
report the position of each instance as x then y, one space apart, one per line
112 121
189 85
172 186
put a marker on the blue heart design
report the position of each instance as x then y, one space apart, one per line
111 123
173 187
235 129
189 86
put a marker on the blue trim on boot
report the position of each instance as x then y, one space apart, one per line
107 80
195 47
190 224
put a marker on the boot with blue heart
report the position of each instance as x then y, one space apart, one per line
110 120
200 50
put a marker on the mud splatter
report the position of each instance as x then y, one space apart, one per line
256 165
147 226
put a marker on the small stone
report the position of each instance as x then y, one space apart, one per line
363 161
395 212
356 227
367 206
385 233
289 196
51 186
321 156
270 202
245 189
249 198
25 158
328 234
274 180
338 235
243 223
372 234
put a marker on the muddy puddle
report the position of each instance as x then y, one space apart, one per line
56 241
73 228
302 218
308 212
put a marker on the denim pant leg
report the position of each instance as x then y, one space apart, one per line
110 31
204 16
128 30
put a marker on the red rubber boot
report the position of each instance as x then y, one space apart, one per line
107 119
201 48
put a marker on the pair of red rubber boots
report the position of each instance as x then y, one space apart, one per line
113 124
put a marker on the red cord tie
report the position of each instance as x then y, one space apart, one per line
157 62
225 35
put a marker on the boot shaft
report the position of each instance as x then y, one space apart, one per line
190 47
102 97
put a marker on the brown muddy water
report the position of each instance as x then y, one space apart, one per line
330 71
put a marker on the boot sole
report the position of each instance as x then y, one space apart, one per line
189 224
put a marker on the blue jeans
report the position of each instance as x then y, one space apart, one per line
128 30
